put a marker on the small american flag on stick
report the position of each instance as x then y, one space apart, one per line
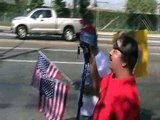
53 95
44 68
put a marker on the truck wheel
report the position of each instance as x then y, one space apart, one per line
68 34
21 32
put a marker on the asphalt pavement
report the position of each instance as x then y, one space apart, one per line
153 88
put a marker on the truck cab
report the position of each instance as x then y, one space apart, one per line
45 21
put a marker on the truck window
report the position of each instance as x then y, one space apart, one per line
47 14
41 14
37 14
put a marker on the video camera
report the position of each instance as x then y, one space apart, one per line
86 41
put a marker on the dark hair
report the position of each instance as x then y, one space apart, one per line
129 49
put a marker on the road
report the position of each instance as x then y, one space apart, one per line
103 37
19 100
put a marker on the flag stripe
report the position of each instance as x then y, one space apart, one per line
50 69
44 68
54 72
49 107
61 104
57 102
53 104
64 100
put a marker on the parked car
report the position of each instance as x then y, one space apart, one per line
45 21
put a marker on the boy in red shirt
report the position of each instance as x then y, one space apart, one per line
119 97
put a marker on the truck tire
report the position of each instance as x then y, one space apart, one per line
21 32
68 34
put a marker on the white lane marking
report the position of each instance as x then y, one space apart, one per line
55 62
154 53
33 61
57 50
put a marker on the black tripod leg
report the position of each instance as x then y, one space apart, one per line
81 90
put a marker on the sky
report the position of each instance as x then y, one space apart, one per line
110 4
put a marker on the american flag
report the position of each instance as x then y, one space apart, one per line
53 95
44 68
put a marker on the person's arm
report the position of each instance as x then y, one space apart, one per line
90 91
96 79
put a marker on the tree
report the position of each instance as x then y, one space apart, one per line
86 14
35 3
59 7
2 8
141 6
21 6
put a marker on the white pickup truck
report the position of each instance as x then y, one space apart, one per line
45 21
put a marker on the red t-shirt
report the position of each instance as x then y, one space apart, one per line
119 99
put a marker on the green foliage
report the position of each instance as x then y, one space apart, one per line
35 3
59 7
86 14
3 6
19 7
141 6
12 8
83 6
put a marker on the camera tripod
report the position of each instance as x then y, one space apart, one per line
80 102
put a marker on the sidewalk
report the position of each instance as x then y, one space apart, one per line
112 33
5 28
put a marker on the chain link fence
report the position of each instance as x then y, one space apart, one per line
135 14
113 21
6 17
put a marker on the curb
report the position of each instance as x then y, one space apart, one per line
5 29
112 33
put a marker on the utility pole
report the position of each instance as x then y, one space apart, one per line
98 11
